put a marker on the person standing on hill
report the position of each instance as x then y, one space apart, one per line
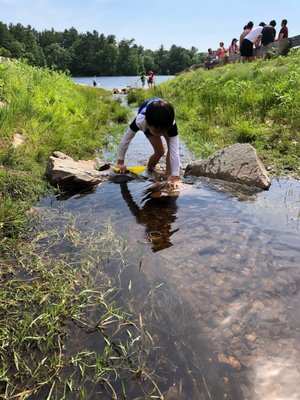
253 38
156 118
211 59
247 29
284 32
268 33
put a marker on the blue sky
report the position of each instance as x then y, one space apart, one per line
197 23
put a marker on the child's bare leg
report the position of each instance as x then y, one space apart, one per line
159 151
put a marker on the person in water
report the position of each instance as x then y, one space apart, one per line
156 118
143 79
150 79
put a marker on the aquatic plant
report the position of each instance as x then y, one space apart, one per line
51 302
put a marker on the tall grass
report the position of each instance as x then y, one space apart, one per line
54 113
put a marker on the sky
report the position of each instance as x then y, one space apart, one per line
187 23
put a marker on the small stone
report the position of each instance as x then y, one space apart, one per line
232 361
251 337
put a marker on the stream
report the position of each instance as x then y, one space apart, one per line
216 271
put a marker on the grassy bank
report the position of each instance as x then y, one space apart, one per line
51 113
256 103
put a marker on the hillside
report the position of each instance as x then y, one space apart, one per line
257 103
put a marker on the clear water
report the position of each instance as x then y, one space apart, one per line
119 82
216 274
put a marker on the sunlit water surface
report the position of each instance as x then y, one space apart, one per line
223 270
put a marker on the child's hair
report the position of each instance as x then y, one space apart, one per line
160 114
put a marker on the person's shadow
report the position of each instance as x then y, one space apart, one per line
156 214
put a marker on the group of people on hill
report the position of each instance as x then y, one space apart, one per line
252 36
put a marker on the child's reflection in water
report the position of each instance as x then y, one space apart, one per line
156 214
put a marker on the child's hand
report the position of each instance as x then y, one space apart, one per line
122 167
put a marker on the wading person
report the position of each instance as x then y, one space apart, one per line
150 78
143 79
156 118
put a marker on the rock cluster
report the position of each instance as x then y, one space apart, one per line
237 163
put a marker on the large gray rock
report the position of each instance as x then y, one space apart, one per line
73 175
237 163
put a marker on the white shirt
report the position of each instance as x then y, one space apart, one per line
254 34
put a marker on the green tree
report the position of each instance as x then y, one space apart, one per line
178 59
162 61
5 36
125 59
57 57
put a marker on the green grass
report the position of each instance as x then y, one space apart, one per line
54 113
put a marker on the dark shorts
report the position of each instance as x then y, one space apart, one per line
247 48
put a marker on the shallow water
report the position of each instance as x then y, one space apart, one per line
216 274
119 82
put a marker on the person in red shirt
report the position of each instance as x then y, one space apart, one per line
221 52
150 78
284 32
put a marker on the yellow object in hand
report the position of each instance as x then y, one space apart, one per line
135 170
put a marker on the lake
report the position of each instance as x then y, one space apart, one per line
111 82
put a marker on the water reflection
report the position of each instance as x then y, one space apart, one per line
156 214
222 301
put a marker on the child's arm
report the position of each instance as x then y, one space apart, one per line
127 138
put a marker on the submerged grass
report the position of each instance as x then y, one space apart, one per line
50 305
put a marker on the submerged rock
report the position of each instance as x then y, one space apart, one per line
237 163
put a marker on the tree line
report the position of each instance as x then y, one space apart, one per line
91 53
